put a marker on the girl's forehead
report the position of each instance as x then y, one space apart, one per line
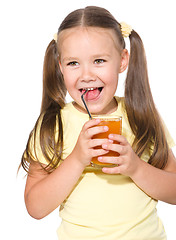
88 33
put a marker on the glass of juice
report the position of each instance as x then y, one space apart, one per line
114 124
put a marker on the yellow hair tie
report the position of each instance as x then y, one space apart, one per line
125 29
55 37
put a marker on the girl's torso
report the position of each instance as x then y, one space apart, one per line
102 206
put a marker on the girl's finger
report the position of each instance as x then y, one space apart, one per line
119 138
91 128
90 132
99 142
113 160
98 152
90 124
113 170
115 147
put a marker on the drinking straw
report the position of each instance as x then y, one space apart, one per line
82 97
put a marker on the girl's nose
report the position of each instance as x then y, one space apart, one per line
87 74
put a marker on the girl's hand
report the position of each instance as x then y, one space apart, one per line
127 163
84 149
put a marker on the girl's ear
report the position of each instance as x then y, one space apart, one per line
124 60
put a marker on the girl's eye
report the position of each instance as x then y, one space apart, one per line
74 63
99 61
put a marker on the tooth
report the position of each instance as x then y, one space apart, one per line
89 89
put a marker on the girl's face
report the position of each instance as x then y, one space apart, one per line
90 58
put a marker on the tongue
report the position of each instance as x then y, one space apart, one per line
92 94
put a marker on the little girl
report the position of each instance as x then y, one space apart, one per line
113 202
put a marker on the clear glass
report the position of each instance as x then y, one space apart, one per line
114 124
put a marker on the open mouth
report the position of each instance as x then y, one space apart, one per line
82 90
93 92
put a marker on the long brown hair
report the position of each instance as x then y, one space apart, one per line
142 114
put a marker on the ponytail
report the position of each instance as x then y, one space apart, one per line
53 100
142 114
54 89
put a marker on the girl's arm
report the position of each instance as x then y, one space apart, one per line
45 192
157 183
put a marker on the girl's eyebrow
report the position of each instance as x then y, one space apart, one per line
101 55
66 59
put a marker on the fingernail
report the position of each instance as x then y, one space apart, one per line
104 146
111 135
99 158
106 128
98 120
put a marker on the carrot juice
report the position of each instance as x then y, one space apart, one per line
115 127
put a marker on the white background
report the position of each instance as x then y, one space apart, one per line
26 28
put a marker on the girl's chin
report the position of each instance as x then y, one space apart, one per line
92 108
97 107
101 108
98 110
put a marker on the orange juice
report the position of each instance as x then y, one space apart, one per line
115 127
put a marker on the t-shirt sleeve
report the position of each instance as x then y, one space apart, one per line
169 138
34 150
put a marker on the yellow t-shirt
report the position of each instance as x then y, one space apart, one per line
102 206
